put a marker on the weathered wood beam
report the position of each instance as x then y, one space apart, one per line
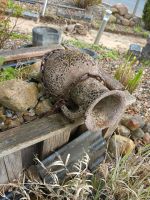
34 132
27 53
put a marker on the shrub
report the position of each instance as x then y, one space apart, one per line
146 15
86 3
127 76
6 28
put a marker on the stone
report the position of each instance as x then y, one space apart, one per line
135 50
128 16
28 118
35 71
9 123
31 15
125 22
132 23
114 10
43 107
122 130
81 29
2 115
146 128
70 28
112 19
9 113
122 9
137 20
146 138
120 145
132 122
146 50
18 95
137 134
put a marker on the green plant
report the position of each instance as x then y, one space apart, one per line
127 76
86 3
6 28
2 60
7 74
146 15
103 52
16 35
126 178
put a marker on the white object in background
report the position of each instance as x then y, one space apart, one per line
44 8
136 6
103 25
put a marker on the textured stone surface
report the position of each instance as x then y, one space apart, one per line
128 16
35 71
146 138
120 145
18 95
137 134
124 131
43 107
133 122
122 9
146 128
125 22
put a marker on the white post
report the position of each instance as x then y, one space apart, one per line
136 6
44 8
103 25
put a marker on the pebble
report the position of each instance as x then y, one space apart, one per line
124 131
137 134
132 122
120 145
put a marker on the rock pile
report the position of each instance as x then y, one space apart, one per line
22 101
120 15
132 132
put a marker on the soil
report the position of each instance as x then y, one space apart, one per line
110 40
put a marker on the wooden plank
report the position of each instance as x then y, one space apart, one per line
13 164
3 173
34 132
26 53
28 155
50 145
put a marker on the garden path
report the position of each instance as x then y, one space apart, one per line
110 40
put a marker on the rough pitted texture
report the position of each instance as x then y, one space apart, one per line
75 77
64 68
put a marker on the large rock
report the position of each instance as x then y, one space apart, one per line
124 131
122 9
132 122
18 95
125 22
120 145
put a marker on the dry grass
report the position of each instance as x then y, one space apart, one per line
126 178
76 186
